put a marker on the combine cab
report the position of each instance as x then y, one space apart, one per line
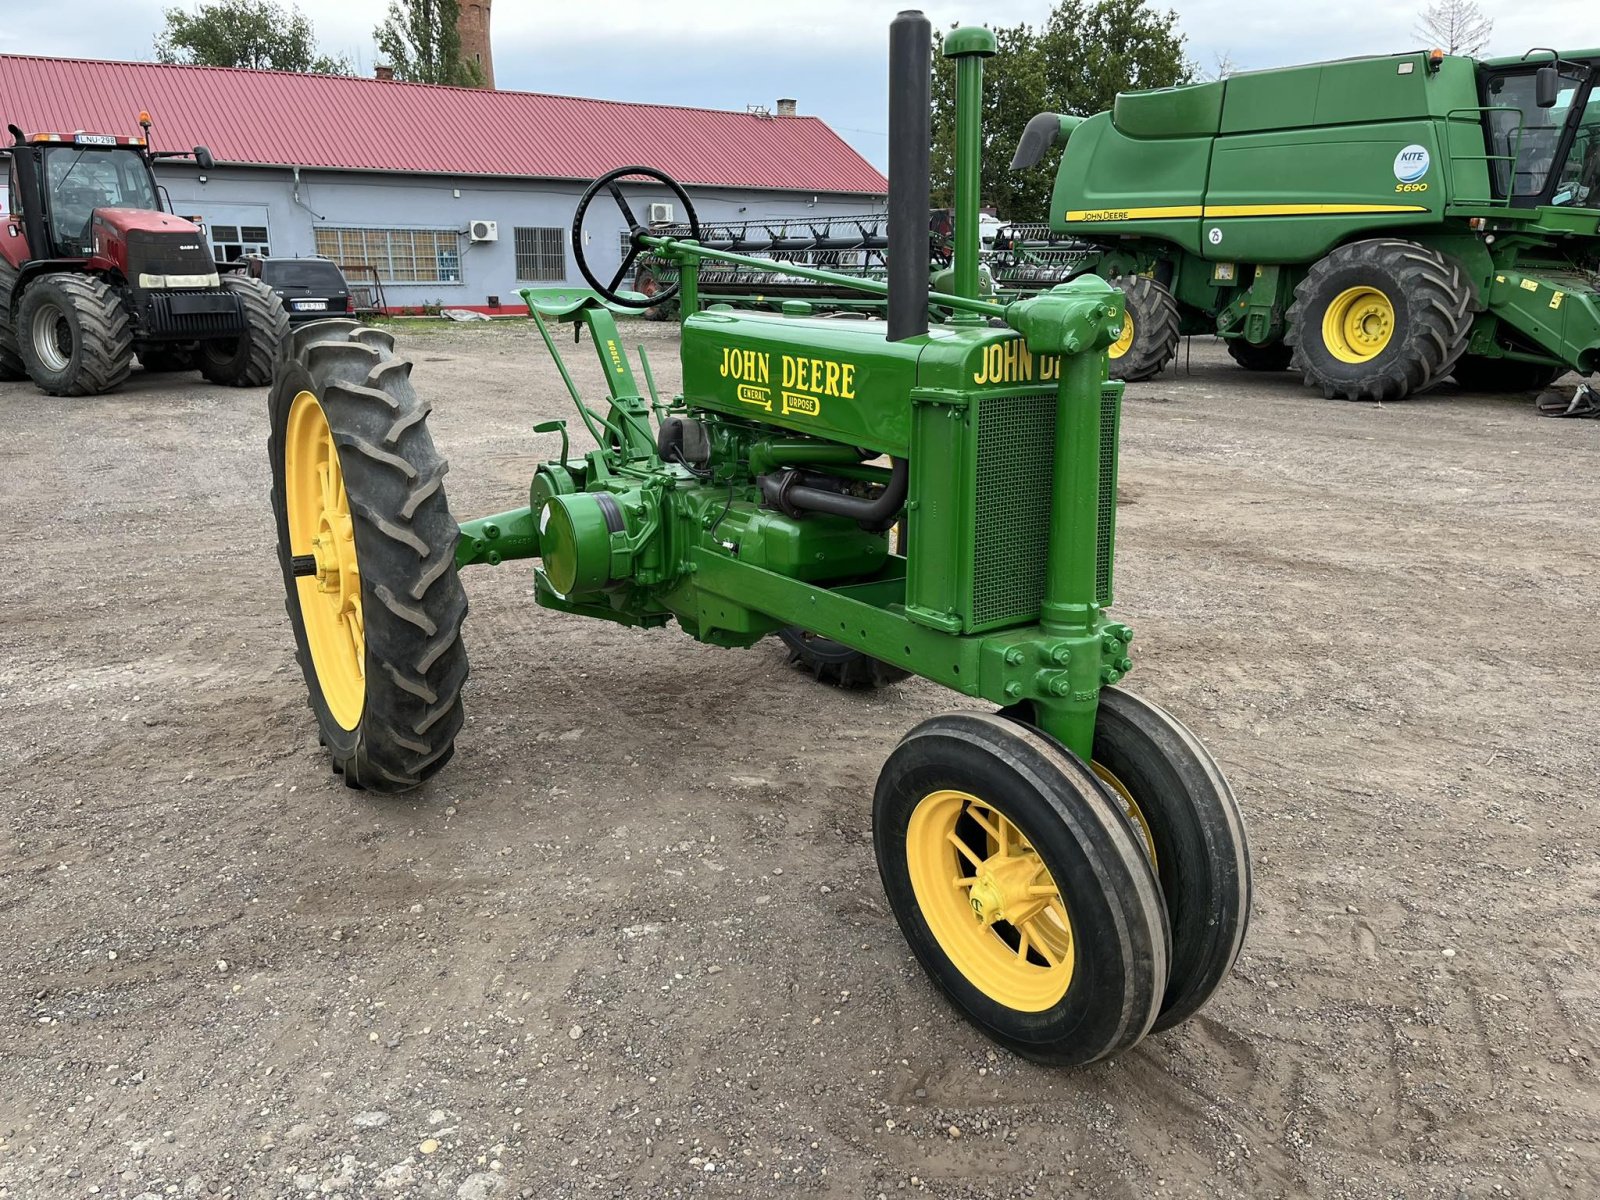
93 273
1378 223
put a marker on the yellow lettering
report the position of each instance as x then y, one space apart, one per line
847 381
832 386
723 369
788 371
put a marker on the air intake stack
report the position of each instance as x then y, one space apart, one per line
910 102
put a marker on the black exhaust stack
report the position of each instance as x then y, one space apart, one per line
910 101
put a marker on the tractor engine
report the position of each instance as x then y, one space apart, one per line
173 285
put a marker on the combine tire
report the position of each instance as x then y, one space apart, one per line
164 357
1252 357
367 547
74 335
12 368
247 361
644 282
1478 374
834 663
1379 320
1149 331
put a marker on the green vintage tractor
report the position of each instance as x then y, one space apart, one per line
1070 866
1378 223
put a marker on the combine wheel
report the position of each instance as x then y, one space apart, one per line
367 546
1478 374
1252 357
247 361
1177 801
74 335
12 368
1021 888
646 285
833 662
1379 320
1149 330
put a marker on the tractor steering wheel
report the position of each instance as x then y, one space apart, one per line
608 182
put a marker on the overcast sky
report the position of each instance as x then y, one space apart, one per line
829 54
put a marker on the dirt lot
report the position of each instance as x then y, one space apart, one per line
632 942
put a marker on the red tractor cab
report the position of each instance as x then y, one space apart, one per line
94 272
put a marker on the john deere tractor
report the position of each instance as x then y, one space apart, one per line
93 273
1068 863
1377 223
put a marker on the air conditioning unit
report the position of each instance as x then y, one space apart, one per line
484 231
660 214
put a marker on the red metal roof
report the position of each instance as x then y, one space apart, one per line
273 118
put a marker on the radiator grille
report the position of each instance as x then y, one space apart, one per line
1106 525
1015 458
1016 448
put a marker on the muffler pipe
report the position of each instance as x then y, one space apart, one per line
910 102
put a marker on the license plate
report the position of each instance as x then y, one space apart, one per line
311 306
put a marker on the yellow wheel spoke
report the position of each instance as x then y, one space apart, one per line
966 850
1043 889
966 882
1042 945
1022 944
998 834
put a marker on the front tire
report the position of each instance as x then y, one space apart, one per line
1021 888
1149 338
74 335
1379 320
246 361
367 544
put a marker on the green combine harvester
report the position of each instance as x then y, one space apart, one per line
1067 862
1377 223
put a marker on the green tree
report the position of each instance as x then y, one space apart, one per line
422 43
1086 52
245 33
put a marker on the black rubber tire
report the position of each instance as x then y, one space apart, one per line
412 601
12 368
99 330
1432 303
1202 851
247 361
1155 329
1475 373
160 358
834 663
1111 894
1274 357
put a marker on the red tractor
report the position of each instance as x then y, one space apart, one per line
93 271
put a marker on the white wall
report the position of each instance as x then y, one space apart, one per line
359 199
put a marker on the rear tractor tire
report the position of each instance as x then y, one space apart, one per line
367 545
1379 320
1021 888
1274 357
12 368
834 663
247 361
1149 338
74 335
1475 373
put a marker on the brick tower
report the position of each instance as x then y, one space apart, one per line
473 26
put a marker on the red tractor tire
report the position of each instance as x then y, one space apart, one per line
12 368
247 361
74 335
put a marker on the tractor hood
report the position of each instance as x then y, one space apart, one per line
144 220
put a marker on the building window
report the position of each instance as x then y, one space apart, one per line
541 255
229 243
398 255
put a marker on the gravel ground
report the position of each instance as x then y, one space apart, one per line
632 943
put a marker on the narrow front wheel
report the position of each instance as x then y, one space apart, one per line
1021 888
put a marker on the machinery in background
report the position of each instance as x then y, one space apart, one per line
94 272
1378 223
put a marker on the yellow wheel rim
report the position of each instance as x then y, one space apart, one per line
320 527
1124 340
1131 807
990 901
1358 324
